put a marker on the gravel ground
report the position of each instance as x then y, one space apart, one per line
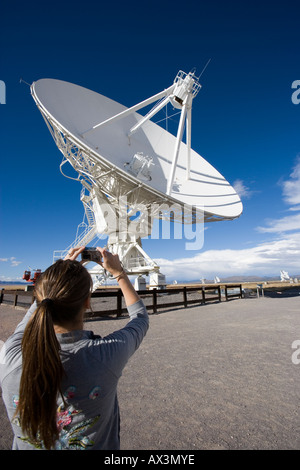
216 376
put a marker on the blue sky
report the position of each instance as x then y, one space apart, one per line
244 121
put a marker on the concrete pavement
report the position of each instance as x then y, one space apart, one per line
216 376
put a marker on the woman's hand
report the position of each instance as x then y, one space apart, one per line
74 252
110 262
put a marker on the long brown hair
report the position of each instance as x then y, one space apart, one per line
61 292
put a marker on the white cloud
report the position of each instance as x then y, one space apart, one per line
265 259
242 189
291 195
13 261
10 279
291 187
285 224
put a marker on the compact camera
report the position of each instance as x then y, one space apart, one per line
91 254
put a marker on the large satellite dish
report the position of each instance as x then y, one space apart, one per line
129 165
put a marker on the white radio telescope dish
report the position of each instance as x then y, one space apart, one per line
284 276
127 163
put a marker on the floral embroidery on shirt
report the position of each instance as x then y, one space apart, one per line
94 393
64 417
15 400
70 436
70 392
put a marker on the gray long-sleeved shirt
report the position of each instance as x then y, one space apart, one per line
93 365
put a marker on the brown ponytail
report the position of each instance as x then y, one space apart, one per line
63 287
41 376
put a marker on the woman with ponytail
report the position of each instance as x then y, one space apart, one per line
59 381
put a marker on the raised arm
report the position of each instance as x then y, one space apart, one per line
111 263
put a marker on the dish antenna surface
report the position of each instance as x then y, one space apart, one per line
132 170
284 276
